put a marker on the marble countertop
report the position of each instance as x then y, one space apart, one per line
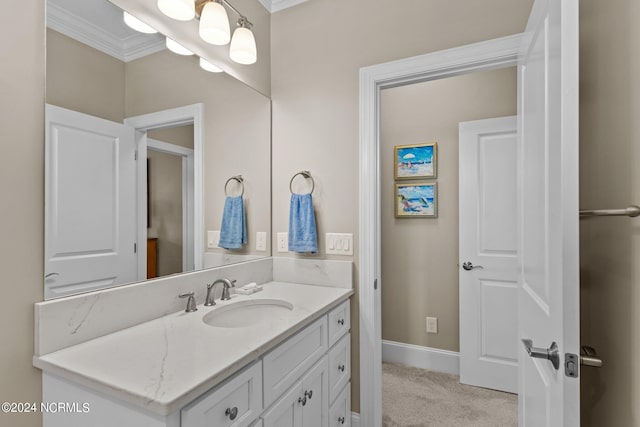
163 364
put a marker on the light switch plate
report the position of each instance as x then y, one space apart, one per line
339 243
213 238
261 241
432 325
283 241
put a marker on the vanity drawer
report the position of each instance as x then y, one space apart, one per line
236 403
339 366
340 411
283 366
339 322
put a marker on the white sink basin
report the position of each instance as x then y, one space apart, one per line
247 313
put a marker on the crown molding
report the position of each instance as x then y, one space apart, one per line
128 49
278 5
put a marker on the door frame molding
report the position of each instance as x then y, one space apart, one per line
482 56
188 114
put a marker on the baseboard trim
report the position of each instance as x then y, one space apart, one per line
421 357
355 419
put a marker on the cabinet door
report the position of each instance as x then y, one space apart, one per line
339 366
340 410
339 322
315 392
286 412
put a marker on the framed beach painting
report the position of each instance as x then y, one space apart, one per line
416 161
416 200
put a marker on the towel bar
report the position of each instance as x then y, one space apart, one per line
238 178
305 174
631 211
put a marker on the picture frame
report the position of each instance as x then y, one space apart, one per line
416 200
416 161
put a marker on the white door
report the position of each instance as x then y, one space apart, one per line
488 253
549 275
90 211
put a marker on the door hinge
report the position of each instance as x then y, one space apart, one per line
135 248
135 155
375 284
571 365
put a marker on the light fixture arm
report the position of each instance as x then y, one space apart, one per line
245 22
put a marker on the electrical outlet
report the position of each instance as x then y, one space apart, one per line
432 325
261 241
213 238
283 242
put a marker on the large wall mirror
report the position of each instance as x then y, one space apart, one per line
143 150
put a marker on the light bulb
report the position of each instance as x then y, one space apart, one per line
177 48
136 24
208 66
181 10
243 47
214 24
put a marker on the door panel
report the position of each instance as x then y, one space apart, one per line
549 277
488 239
89 203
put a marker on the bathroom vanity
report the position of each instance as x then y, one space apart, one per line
279 357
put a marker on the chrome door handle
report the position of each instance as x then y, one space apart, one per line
469 266
551 354
232 413
589 357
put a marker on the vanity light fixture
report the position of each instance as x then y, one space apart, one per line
177 48
208 66
136 24
243 45
214 23
180 10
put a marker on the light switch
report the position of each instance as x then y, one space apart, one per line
213 238
261 241
339 243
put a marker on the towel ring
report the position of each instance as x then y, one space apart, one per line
238 178
305 174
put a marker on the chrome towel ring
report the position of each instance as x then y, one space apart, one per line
305 174
237 178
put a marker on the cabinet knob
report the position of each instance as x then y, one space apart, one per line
308 394
341 321
341 368
341 420
302 400
232 413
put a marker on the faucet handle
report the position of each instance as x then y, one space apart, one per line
191 302
233 283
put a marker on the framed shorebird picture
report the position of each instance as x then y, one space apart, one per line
416 200
416 161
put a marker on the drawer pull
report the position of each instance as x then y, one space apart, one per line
341 420
308 394
302 400
341 321
232 413
341 368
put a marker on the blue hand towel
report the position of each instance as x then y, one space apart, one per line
302 225
233 231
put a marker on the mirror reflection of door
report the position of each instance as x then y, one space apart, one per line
168 152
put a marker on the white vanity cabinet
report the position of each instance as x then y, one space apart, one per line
304 381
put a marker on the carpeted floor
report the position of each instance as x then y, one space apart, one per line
413 397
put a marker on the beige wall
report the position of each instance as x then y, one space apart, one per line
84 79
420 256
21 181
610 178
237 123
317 50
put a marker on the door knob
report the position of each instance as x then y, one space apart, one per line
589 357
551 354
469 266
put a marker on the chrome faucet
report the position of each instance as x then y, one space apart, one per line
191 302
226 283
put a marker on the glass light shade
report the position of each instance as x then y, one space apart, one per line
177 48
136 24
181 10
243 47
208 66
214 24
